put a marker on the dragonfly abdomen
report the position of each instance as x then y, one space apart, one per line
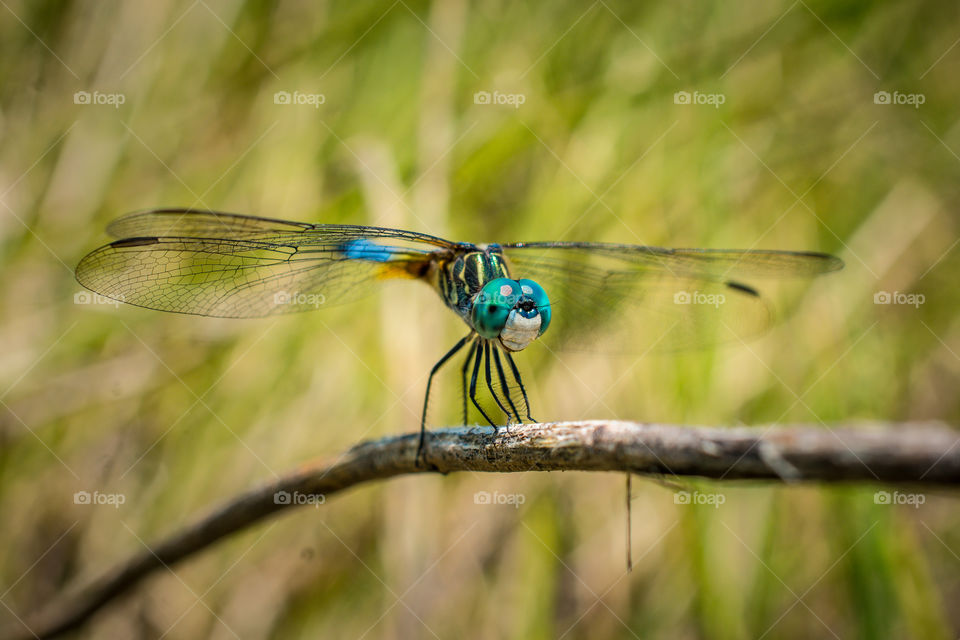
397 262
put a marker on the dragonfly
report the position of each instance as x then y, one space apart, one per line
573 295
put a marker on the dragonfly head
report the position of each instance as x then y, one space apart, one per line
516 312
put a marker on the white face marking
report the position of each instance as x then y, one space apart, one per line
506 290
519 332
527 289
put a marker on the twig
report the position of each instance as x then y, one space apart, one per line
922 453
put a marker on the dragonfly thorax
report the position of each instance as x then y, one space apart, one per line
515 312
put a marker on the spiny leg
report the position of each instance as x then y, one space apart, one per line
473 382
503 385
426 397
486 353
463 374
523 391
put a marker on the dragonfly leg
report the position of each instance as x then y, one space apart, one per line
473 382
426 397
486 353
503 386
523 391
463 374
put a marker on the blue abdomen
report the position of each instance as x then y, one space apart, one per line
363 249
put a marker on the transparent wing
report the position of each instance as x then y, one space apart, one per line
226 265
198 223
633 298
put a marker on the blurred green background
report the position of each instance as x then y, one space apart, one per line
177 413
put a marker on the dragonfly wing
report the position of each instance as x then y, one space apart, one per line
226 265
634 298
199 223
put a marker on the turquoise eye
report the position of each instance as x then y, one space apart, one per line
492 306
535 291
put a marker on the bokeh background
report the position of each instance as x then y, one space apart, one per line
785 143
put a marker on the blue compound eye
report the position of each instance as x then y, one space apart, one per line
492 306
533 290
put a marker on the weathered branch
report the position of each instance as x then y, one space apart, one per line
923 453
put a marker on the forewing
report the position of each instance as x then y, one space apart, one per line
198 223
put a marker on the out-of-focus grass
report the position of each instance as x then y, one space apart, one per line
177 413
